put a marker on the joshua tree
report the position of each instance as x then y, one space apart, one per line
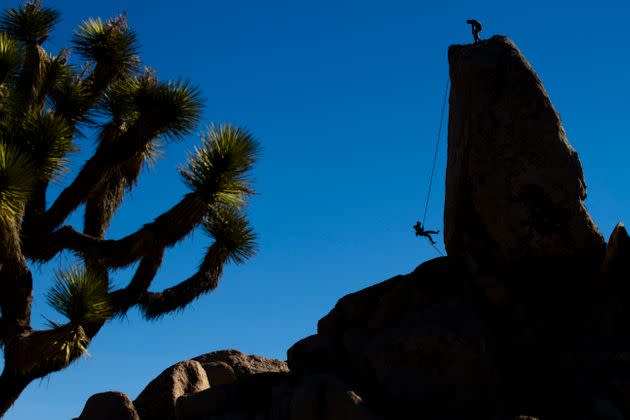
47 103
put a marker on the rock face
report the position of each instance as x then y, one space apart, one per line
157 400
241 364
327 397
409 339
617 261
524 319
514 185
109 406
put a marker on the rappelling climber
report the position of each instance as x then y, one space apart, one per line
426 233
476 28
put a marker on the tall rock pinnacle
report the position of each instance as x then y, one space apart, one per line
514 185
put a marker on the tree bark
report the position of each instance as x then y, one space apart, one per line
11 386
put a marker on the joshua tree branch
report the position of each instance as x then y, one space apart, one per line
166 230
177 297
96 170
123 299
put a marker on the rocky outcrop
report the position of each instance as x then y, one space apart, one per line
241 364
327 397
525 319
617 261
109 406
157 400
409 339
514 185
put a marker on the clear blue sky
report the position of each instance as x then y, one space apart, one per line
345 98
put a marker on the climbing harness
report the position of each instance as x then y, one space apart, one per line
437 145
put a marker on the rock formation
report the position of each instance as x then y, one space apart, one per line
157 400
514 185
526 318
109 405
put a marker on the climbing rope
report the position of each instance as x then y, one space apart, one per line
419 227
437 249
437 145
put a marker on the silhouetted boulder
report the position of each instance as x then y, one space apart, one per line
321 397
110 405
251 396
315 354
243 364
410 339
514 184
157 400
219 373
617 259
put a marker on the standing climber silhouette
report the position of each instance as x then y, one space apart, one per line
476 28
426 233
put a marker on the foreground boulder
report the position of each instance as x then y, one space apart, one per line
514 185
157 400
110 405
617 261
411 338
327 397
241 364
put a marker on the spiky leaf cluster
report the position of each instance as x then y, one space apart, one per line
67 341
111 44
158 108
48 137
10 56
30 23
218 170
70 97
17 177
80 295
231 230
44 137
54 71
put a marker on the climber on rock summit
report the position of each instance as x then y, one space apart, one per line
476 28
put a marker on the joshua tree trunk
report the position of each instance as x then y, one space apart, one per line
11 387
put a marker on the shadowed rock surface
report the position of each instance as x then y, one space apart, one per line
527 318
514 184
109 406
157 400
241 363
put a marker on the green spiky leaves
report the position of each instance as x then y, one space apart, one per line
30 23
67 342
231 230
10 56
48 138
219 170
71 98
111 44
81 296
170 109
17 178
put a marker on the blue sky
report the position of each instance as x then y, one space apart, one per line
345 98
